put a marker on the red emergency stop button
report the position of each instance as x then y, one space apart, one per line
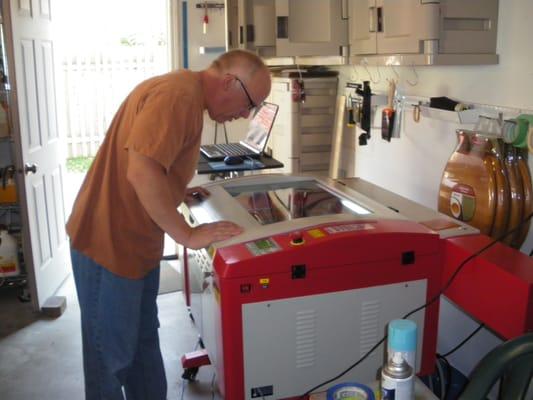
297 239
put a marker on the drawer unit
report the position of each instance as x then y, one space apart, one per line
301 136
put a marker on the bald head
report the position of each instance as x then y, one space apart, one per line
249 68
243 61
237 81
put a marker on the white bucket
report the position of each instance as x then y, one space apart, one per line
9 262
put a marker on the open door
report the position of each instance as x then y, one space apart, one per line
30 53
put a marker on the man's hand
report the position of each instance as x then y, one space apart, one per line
205 234
195 194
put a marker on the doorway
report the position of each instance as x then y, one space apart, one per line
100 50
104 48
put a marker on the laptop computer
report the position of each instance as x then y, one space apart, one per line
255 141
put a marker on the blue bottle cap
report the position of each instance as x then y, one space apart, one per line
402 335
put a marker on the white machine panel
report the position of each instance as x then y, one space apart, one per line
298 337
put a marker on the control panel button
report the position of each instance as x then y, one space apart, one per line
297 239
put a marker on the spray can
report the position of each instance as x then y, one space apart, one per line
397 379
402 338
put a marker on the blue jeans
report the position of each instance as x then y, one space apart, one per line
120 337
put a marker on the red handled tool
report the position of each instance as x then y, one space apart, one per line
387 116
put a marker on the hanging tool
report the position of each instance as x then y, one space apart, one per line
416 112
353 105
298 91
387 116
350 109
366 112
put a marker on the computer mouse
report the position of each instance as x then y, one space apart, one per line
233 160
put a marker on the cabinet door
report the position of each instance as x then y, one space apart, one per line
311 27
468 26
261 27
242 16
400 32
264 22
363 26
232 18
252 26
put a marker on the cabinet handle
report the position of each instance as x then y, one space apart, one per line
250 33
344 9
372 19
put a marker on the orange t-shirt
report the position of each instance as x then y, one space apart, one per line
162 118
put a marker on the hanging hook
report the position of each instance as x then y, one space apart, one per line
379 74
356 73
364 62
416 76
395 72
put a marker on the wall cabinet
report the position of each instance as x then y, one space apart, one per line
251 25
423 31
399 32
311 27
279 30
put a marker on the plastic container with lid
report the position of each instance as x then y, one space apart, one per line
9 263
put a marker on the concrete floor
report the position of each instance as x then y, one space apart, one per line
41 358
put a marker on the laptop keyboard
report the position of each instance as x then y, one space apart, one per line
226 149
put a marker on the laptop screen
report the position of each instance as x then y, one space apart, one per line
260 127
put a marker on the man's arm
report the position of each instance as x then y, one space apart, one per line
149 180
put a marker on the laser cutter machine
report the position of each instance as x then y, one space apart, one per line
310 285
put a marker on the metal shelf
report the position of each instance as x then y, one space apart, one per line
9 207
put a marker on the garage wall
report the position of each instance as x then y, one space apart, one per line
412 165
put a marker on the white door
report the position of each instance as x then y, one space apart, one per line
31 60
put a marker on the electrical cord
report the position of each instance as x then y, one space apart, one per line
442 357
464 341
430 302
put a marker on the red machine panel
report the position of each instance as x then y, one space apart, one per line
324 259
496 287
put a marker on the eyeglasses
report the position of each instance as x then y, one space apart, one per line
252 105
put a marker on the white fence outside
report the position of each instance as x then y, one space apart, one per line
94 86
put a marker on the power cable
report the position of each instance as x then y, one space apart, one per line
464 341
431 301
448 366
